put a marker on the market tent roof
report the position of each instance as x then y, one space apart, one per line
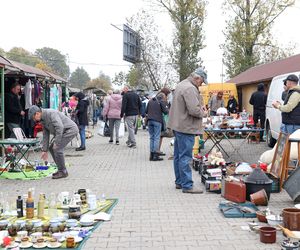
7 64
56 77
29 70
73 90
266 72
95 90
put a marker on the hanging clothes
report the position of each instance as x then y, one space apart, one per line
54 98
27 93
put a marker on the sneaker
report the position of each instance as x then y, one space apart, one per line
80 149
110 141
131 145
128 142
117 143
177 186
59 175
161 153
192 191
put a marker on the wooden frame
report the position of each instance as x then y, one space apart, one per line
278 158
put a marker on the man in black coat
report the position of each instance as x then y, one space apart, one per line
131 108
81 112
13 109
258 100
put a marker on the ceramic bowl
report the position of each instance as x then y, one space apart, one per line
274 220
54 222
21 223
3 222
87 221
37 223
71 223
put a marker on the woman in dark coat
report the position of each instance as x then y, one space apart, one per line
81 112
232 105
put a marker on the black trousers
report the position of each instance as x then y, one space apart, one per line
259 115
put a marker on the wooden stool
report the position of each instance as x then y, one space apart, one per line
286 159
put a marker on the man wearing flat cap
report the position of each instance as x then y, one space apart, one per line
185 119
290 110
63 130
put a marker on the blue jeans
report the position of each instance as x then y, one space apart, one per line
286 128
183 147
154 129
82 135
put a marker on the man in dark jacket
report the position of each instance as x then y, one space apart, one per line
13 109
258 100
131 106
81 112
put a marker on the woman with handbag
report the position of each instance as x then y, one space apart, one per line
156 107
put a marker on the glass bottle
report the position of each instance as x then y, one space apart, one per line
20 207
41 206
52 208
29 206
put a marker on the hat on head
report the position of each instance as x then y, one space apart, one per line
202 73
32 110
292 78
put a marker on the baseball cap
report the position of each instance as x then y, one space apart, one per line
202 73
292 78
32 110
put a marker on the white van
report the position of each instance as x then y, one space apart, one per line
273 116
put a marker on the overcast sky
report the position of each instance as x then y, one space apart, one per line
82 29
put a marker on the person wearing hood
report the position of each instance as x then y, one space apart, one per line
290 109
258 100
63 130
81 112
112 110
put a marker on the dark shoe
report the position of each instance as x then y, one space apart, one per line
59 175
80 149
161 153
177 186
151 156
156 157
110 141
192 191
117 143
128 142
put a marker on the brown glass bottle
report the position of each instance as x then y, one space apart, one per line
29 206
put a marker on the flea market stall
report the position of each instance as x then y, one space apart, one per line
247 187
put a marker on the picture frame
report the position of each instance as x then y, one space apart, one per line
276 167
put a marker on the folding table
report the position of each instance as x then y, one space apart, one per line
22 146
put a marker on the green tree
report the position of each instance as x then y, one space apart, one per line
248 37
188 18
79 78
2 52
21 55
55 60
102 82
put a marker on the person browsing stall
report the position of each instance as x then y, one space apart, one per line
62 128
290 109
185 119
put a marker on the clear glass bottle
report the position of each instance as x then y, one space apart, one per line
52 207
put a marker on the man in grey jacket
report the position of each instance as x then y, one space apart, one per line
62 128
185 119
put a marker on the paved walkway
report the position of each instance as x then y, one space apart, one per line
151 213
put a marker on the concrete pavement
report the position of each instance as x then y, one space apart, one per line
151 213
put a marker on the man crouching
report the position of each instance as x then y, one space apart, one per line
62 128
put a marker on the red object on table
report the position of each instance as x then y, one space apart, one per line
37 128
263 166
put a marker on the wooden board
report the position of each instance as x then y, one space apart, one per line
277 162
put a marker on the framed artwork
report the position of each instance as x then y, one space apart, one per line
276 167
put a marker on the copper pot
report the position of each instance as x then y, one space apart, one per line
259 198
291 218
268 234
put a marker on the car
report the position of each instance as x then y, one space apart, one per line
273 116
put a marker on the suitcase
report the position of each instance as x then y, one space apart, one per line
235 191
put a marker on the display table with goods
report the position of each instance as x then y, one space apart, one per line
18 155
62 221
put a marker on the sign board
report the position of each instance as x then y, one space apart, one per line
131 45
